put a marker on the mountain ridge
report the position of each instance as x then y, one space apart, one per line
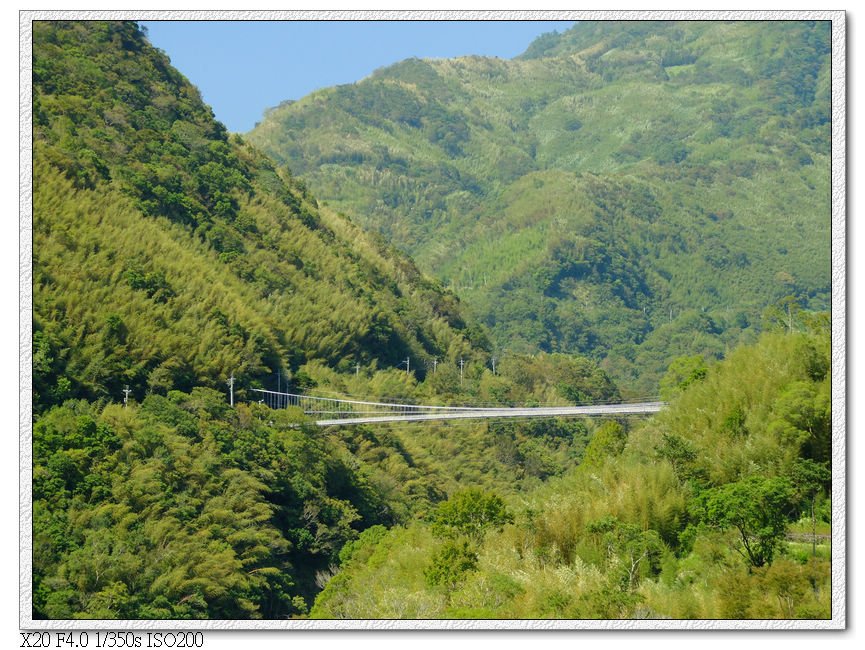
168 255
120 137
715 135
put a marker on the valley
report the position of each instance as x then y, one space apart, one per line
625 229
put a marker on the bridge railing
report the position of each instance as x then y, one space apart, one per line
330 410
315 405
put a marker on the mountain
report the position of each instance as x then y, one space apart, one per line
168 254
629 190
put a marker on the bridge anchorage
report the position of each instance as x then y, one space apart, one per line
331 411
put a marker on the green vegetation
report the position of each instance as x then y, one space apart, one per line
505 457
169 256
165 510
685 516
634 191
181 507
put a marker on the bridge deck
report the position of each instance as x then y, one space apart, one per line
369 412
530 412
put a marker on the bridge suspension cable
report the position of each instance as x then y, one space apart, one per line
351 411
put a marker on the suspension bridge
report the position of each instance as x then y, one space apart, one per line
332 411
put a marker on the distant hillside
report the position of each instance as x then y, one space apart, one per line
168 255
631 190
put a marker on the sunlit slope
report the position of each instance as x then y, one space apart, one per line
168 254
613 180
716 508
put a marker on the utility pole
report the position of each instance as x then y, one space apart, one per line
126 392
407 363
230 383
356 369
494 365
435 364
462 363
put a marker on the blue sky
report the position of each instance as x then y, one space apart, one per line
243 68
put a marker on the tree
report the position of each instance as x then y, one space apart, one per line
608 441
471 513
627 547
803 419
757 508
783 315
809 479
450 565
683 372
682 455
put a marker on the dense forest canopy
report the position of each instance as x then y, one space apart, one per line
591 257
629 190
168 254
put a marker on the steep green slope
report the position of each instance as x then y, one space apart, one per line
699 513
629 190
184 508
168 254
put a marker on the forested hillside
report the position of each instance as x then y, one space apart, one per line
182 507
630 190
168 254
692 515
